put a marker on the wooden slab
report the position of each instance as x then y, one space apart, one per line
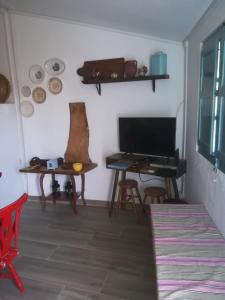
102 69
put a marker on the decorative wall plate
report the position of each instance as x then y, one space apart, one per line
26 91
39 95
55 85
54 66
26 109
37 74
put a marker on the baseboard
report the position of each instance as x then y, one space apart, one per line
95 203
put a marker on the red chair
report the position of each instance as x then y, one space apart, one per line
9 222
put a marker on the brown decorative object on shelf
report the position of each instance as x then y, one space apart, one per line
114 75
142 71
4 89
78 142
102 69
130 68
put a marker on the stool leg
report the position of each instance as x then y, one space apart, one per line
145 197
151 200
139 198
163 198
168 187
157 199
123 191
123 198
133 201
118 202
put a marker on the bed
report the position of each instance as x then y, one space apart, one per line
190 253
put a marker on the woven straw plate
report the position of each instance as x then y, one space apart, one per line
55 85
4 89
39 95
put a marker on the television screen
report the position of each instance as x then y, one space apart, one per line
150 136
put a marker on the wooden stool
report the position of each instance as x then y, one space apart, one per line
128 192
155 193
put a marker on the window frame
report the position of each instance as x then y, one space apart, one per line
212 129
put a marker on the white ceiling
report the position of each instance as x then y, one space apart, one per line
169 19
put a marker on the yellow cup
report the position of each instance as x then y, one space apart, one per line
77 167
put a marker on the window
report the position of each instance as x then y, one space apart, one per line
211 127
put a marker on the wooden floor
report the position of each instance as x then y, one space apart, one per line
83 257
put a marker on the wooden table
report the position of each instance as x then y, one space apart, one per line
62 171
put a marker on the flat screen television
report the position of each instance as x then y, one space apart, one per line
154 136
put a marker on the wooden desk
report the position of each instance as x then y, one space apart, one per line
62 171
162 167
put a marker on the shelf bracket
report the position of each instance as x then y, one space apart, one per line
99 89
153 85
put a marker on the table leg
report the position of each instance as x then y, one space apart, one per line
74 196
114 192
53 196
176 193
43 198
83 188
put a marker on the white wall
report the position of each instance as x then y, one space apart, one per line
202 183
4 59
11 184
46 132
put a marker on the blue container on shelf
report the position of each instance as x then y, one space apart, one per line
158 64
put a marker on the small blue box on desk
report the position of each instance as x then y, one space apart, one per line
120 165
52 164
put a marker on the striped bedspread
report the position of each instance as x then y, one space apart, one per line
190 253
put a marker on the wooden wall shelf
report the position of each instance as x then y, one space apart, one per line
98 82
102 71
